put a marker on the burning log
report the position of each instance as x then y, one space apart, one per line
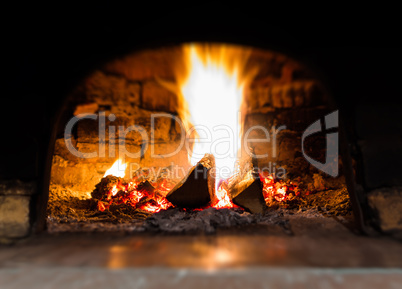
198 187
247 193
246 188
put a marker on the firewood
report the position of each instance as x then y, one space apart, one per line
246 188
248 195
197 188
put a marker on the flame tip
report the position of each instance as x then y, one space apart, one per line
117 169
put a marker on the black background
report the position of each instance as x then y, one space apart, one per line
47 50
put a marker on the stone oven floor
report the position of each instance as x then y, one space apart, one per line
318 252
73 211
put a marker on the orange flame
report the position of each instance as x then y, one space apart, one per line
118 169
211 92
222 199
210 89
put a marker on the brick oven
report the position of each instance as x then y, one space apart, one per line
294 86
281 100
284 94
321 206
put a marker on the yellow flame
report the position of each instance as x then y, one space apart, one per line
118 169
212 94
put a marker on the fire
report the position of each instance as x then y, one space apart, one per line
211 86
222 199
138 194
277 190
212 94
142 195
159 203
118 169
150 197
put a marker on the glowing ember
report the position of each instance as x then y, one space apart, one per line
115 189
141 195
156 205
151 197
277 189
118 169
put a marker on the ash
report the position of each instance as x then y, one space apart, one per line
178 221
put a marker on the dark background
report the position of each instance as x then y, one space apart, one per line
48 51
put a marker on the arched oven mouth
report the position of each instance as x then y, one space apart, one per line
141 145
